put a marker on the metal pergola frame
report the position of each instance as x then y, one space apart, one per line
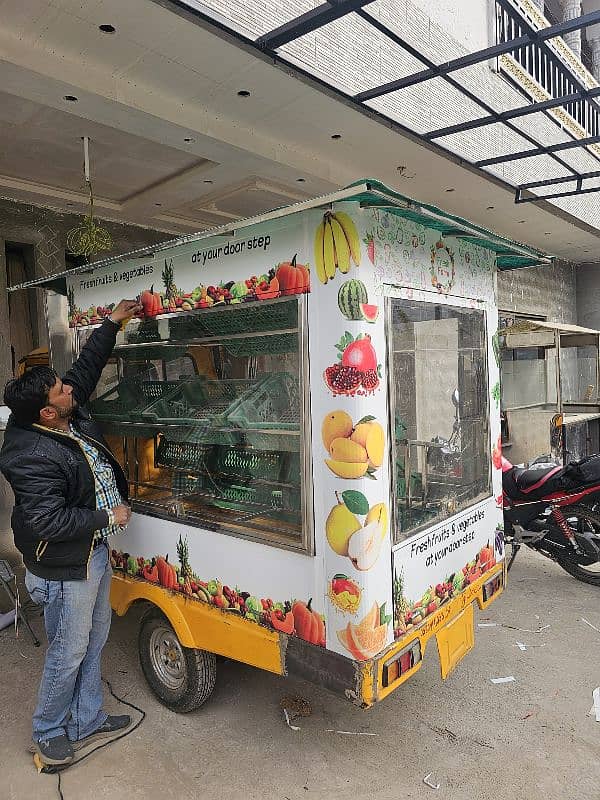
332 10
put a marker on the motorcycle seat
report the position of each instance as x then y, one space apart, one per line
530 480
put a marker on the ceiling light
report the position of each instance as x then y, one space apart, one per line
189 139
243 93
490 208
521 221
107 28
450 190
207 180
158 204
336 135
301 180
70 98
547 233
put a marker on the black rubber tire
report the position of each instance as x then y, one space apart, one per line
199 668
581 573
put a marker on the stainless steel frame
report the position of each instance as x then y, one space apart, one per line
408 445
306 543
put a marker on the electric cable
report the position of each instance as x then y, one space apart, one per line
49 769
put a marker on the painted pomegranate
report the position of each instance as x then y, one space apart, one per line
360 354
370 380
357 371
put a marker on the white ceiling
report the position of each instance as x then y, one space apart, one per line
161 79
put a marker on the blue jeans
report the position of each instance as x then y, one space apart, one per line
77 616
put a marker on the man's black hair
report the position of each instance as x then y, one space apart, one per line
27 395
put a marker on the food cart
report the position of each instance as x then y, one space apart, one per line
550 396
308 416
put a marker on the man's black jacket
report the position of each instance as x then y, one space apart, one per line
55 513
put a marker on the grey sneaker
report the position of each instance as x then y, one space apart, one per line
110 727
55 751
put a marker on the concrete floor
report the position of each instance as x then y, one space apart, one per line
528 739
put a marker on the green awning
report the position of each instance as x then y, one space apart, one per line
509 254
367 192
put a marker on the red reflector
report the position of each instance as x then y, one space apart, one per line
401 662
406 662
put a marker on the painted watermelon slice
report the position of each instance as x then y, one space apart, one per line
368 312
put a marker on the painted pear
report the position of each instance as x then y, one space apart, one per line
365 545
341 524
380 514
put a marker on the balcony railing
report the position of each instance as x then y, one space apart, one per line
545 65
552 14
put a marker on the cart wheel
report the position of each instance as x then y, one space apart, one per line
182 678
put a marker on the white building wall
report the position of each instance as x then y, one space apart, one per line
468 22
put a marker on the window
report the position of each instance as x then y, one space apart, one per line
206 412
439 404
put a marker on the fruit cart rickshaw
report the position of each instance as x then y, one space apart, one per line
550 395
308 416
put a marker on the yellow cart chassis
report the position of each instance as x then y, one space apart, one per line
204 627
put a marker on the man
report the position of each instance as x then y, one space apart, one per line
70 494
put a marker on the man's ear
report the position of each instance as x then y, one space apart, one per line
47 414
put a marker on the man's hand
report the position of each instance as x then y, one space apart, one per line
125 310
121 515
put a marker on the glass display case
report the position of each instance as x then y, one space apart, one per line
206 412
439 402
550 395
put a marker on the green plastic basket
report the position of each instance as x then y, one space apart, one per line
126 401
253 464
199 400
272 405
254 317
268 416
263 345
192 456
259 499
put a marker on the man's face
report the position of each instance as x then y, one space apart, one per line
61 403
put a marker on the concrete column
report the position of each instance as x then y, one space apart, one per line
571 10
588 295
594 43
539 4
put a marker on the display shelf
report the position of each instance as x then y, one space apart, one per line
126 401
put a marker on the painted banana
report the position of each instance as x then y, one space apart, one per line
350 233
342 248
328 250
319 259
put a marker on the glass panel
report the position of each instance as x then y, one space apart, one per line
579 374
438 391
528 377
206 412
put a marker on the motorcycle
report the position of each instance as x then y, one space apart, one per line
444 454
555 510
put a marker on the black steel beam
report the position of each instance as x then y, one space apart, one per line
514 113
487 53
310 21
537 198
582 176
539 151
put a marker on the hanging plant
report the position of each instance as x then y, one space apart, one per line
89 238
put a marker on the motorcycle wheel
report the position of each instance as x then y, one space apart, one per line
586 520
